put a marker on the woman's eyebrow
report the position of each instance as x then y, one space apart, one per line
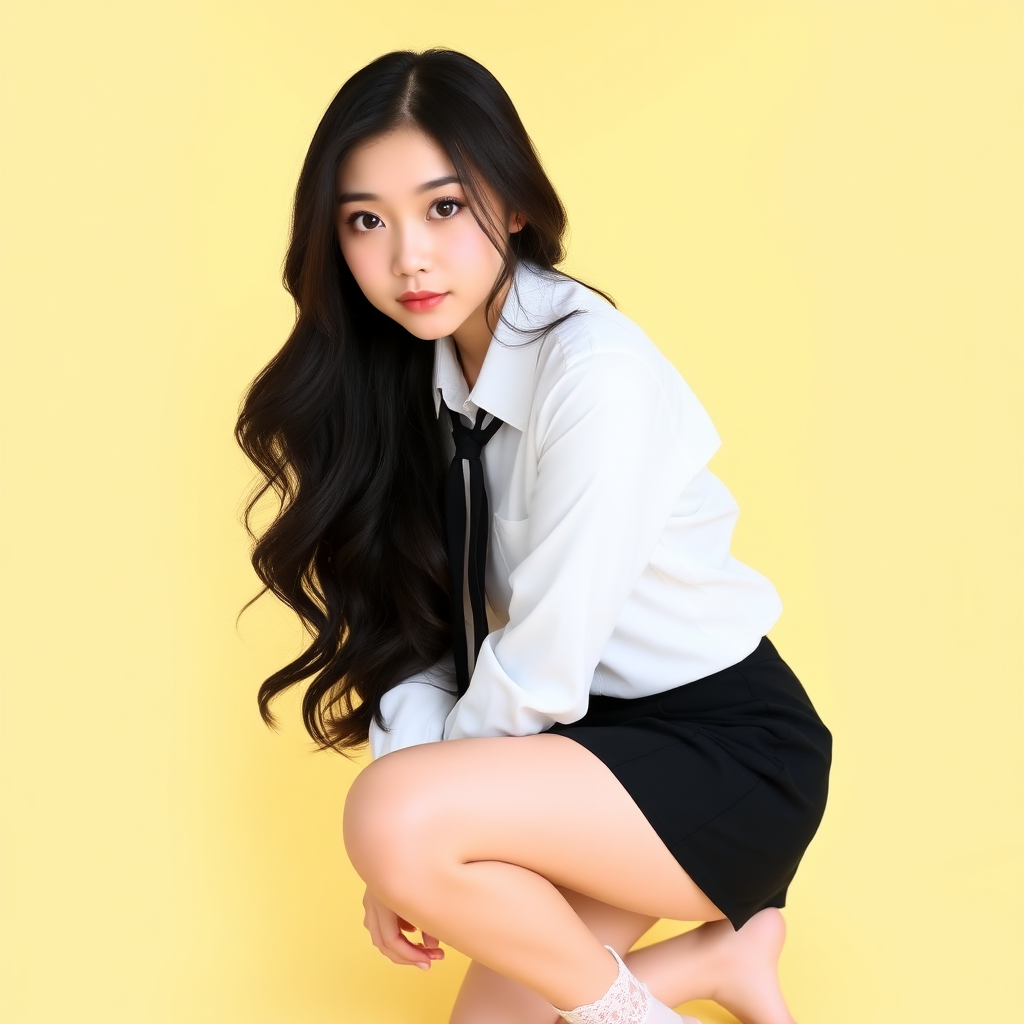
363 197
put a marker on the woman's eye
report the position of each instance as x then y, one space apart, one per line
447 208
364 221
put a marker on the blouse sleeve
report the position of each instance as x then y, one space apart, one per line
415 709
618 438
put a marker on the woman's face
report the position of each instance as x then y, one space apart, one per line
405 229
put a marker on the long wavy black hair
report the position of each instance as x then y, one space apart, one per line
341 423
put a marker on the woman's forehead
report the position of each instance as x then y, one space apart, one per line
402 161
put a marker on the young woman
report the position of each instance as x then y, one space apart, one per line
498 525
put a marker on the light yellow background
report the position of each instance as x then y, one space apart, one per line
814 208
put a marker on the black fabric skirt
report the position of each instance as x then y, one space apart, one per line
731 770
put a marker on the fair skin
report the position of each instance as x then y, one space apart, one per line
404 225
531 856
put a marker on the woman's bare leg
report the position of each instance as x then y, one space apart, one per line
487 997
737 969
469 839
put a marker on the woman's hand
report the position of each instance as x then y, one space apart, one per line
386 927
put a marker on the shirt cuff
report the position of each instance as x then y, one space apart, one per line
415 710
497 706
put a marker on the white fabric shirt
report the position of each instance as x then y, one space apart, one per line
608 565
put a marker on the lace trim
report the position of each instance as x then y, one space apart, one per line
626 1002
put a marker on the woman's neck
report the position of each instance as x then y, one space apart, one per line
471 361
473 338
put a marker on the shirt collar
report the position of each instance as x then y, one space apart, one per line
505 385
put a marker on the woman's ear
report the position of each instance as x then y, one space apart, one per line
516 222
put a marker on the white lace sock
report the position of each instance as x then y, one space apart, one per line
628 1001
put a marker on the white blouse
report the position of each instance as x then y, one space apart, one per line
608 566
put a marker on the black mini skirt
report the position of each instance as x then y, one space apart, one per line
731 770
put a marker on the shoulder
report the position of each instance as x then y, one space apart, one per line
593 327
595 345
599 365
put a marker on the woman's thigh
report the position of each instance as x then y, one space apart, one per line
543 802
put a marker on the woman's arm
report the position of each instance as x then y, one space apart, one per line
415 710
619 435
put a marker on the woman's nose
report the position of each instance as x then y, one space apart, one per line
413 254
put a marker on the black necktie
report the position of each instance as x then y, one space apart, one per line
469 443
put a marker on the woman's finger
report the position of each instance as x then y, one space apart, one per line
396 947
430 943
386 935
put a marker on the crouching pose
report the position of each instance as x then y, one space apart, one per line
498 524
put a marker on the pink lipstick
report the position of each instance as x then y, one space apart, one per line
420 302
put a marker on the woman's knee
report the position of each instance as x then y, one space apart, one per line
387 820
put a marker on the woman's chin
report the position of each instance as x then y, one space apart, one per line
427 328
424 333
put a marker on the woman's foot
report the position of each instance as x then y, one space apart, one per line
747 962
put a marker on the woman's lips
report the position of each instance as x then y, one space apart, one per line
420 302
